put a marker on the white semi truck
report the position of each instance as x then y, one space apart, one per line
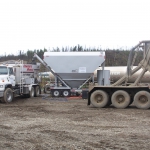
121 94
18 79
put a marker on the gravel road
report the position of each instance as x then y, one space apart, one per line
44 123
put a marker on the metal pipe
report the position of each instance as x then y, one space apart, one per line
121 80
139 78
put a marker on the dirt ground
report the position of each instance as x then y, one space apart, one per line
44 123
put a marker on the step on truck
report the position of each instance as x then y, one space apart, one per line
18 79
121 94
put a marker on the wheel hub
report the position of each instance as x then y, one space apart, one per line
120 98
56 93
8 97
65 93
99 98
143 99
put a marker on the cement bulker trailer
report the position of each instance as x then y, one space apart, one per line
18 79
121 94
71 70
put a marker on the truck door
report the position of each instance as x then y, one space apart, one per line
11 76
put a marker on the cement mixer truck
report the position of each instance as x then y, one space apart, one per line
121 94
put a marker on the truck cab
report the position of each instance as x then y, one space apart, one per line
7 78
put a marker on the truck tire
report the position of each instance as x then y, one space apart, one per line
47 89
32 92
142 100
37 91
78 94
66 93
8 95
120 99
99 98
55 93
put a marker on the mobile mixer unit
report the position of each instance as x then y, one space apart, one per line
71 69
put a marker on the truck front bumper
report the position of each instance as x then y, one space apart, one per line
1 93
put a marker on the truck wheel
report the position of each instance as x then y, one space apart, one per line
37 91
8 96
120 99
142 100
99 98
78 94
56 93
47 89
32 92
66 93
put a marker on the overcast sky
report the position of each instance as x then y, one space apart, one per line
35 24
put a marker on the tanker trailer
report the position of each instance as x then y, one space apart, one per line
121 94
71 69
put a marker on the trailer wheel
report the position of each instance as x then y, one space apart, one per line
32 92
120 99
8 96
55 93
78 94
47 89
142 100
66 93
99 98
37 91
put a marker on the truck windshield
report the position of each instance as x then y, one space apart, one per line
3 70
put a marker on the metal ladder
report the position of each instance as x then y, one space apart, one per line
21 77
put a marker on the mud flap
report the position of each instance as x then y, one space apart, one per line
89 102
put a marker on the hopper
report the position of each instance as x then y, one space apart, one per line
74 68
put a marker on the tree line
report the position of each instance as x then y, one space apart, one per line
114 57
